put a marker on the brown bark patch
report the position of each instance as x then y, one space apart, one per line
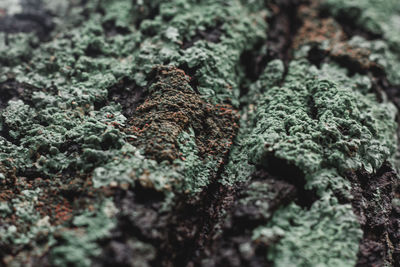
317 30
172 107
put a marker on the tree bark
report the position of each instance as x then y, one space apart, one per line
199 133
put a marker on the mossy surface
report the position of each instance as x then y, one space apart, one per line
306 237
380 18
174 133
315 115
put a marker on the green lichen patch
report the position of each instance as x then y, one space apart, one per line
329 124
238 169
65 114
326 235
76 247
379 18
323 39
120 141
321 97
33 216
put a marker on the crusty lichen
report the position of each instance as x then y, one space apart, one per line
72 148
328 124
71 131
325 124
374 16
327 235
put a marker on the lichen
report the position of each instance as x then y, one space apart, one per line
119 129
325 124
329 124
377 17
326 235
76 247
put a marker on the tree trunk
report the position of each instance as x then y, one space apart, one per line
199 133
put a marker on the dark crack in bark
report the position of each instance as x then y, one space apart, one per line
373 204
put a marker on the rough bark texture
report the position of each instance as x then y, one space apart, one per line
199 133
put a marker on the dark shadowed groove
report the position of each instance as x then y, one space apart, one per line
32 18
373 205
210 34
349 25
283 26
